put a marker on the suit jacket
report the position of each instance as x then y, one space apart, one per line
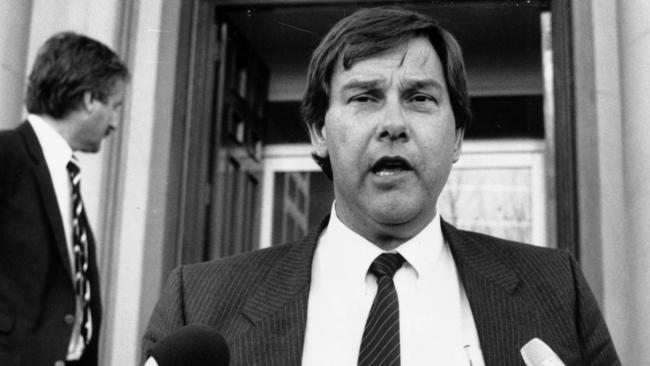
37 298
258 301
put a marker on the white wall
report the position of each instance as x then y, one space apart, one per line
140 201
612 61
634 48
15 18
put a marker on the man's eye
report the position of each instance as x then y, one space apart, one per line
422 98
363 98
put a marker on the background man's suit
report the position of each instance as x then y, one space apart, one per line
258 301
37 299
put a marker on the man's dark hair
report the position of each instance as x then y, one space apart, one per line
366 33
67 66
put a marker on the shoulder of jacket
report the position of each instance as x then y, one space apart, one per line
13 148
528 261
515 248
253 262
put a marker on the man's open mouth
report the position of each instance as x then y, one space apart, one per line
390 165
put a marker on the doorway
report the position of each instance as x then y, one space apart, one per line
513 62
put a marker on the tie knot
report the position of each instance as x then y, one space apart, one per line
387 264
73 166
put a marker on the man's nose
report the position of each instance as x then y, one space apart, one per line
111 127
393 125
115 118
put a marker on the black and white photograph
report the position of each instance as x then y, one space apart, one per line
324 182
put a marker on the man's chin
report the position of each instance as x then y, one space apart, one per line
398 208
402 216
90 148
396 227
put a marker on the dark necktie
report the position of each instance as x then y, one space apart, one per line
80 249
380 342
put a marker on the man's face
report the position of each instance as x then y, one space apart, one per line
100 119
390 135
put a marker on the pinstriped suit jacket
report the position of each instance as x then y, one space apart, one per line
258 301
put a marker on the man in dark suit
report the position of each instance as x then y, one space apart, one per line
384 280
50 310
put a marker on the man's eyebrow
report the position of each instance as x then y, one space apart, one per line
417 84
369 84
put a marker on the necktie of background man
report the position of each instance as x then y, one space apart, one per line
80 232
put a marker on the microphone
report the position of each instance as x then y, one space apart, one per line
191 345
538 353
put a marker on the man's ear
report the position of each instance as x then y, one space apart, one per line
89 102
458 144
318 139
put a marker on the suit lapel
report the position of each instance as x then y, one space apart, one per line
503 321
278 309
43 181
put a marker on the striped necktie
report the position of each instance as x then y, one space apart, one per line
380 343
80 248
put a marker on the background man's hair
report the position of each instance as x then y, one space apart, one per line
67 66
366 33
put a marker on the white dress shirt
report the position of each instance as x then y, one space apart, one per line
57 154
436 324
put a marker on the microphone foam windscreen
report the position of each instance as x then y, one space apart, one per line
538 353
192 345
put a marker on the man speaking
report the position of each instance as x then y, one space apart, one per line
385 280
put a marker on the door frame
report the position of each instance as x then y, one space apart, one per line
190 108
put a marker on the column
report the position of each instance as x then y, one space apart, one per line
634 48
15 17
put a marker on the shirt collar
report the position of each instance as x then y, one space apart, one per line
55 148
421 252
424 249
350 253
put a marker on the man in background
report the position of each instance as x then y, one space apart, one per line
50 309
385 280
